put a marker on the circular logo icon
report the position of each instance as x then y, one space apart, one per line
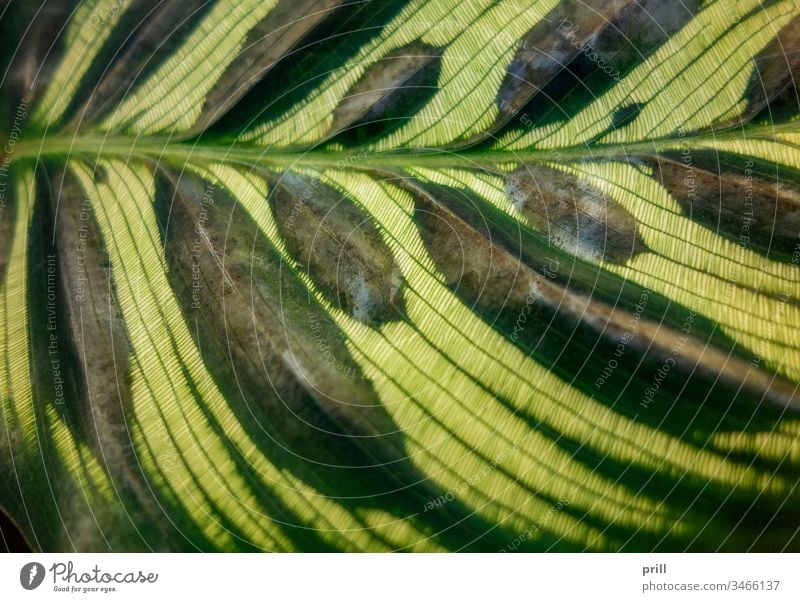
31 575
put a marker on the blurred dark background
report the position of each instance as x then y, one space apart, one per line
10 538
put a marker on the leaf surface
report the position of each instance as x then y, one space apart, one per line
408 275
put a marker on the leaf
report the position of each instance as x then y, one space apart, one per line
408 275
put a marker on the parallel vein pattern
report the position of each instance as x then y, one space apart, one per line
406 275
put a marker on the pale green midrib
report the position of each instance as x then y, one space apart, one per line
164 148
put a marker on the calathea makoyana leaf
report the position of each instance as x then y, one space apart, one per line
412 275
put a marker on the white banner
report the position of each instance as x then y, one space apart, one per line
379 578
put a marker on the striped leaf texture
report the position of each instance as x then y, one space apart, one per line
421 275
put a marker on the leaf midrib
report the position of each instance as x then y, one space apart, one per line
169 149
